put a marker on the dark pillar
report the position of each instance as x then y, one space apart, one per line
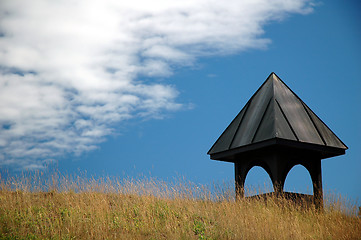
277 165
316 175
313 165
240 173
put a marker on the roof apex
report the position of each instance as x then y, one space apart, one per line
275 111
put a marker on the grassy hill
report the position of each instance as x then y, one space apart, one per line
64 207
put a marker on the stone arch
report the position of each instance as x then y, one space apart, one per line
278 166
299 169
241 172
261 164
262 187
313 167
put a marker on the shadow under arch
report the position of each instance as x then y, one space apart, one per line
258 181
298 180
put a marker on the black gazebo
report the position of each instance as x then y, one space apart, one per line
276 130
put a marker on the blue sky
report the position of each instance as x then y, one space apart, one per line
176 96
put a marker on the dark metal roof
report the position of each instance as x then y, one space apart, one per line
276 112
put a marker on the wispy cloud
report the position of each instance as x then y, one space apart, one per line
69 69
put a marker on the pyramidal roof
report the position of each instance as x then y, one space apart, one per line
276 112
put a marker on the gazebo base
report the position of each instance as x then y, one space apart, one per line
299 199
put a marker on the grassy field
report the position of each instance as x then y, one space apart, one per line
64 207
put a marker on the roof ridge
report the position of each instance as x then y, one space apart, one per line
274 102
262 118
314 124
288 122
239 125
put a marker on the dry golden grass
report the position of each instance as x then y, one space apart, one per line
64 207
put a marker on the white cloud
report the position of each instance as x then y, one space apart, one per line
69 69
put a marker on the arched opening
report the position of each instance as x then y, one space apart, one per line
298 180
257 182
